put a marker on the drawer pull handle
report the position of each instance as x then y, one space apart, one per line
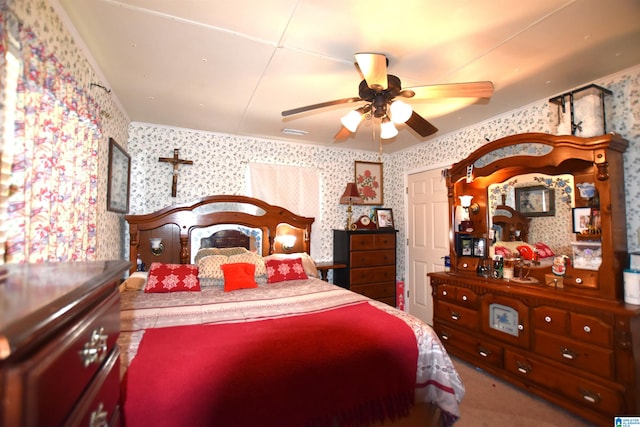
99 417
523 368
455 315
568 354
590 396
587 329
484 352
445 336
547 319
95 349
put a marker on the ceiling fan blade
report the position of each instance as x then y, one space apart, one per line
320 105
373 67
454 90
420 125
342 134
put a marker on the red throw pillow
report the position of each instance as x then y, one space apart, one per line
543 250
280 270
172 278
503 251
239 275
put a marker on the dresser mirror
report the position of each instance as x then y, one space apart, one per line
556 230
568 175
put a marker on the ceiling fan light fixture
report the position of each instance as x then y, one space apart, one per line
352 120
400 111
387 129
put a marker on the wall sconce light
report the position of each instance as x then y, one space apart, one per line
156 245
465 202
350 197
287 241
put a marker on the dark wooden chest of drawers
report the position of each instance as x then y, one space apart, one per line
370 257
59 361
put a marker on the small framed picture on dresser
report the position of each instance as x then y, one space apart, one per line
384 218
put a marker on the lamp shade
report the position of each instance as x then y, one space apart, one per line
387 129
352 120
351 195
400 111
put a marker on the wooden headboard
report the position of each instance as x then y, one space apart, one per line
176 224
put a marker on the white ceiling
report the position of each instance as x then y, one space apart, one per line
233 66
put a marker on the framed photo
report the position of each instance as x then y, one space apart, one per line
119 176
479 248
535 201
384 218
466 246
581 220
368 179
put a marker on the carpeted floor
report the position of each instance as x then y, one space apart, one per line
492 402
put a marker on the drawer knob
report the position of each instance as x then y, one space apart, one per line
568 354
547 319
99 417
523 368
464 298
95 349
586 328
483 352
444 293
578 280
521 327
590 396
465 265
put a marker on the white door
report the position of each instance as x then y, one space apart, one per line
428 237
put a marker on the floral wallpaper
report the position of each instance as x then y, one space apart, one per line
220 161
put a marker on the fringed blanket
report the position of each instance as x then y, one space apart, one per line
354 364
169 357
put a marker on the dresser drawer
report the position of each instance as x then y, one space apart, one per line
446 292
372 241
100 404
454 339
550 319
377 290
359 276
598 397
596 360
590 329
57 375
372 258
458 315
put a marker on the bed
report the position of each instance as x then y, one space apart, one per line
232 326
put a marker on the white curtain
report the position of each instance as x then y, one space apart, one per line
292 187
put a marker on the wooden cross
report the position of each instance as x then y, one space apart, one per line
175 161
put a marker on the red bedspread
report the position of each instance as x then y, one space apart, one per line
355 363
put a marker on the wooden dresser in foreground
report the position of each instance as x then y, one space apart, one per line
59 361
370 257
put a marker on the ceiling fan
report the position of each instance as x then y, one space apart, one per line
379 91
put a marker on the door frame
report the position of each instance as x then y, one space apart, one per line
441 165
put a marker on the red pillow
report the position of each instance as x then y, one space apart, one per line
280 270
503 251
543 250
239 275
172 278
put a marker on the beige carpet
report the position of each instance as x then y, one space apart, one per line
492 402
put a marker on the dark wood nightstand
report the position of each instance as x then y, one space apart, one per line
324 267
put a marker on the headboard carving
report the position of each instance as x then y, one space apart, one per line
174 224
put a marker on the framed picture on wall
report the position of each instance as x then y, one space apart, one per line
368 179
581 220
119 176
535 201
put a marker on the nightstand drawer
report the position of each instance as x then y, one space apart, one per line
371 258
359 276
59 373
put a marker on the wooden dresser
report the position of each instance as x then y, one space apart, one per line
566 335
370 257
59 361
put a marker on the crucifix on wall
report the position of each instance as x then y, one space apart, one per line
176 161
